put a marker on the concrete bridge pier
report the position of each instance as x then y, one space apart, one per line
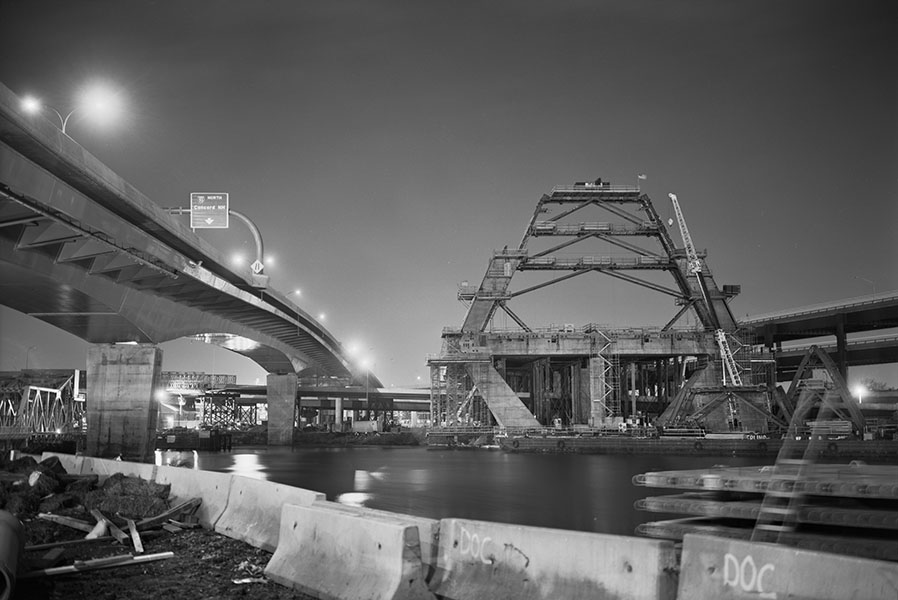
121 416
281 408
338 414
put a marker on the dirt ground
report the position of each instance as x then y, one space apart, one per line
205 565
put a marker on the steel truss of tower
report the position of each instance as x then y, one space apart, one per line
642 243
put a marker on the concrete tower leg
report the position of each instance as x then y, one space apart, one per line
281 408
596 392
122 411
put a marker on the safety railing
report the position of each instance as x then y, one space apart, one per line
553 328
594 187
555 228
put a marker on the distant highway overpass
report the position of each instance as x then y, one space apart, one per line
83 250
860 327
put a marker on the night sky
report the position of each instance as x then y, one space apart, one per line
385 148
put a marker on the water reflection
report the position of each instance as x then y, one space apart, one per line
566 491
358 499
248 465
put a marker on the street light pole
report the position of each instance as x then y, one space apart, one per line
32 105
64 121
99 100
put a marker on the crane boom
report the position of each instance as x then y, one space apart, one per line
729 362
695 264
730 368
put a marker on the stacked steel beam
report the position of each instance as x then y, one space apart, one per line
848 509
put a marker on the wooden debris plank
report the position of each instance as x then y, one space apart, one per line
150 522
100 563
67 521
38 547
183 525
135 536
49 559
106 538
116 532
172 528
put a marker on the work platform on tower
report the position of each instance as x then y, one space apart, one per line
597 375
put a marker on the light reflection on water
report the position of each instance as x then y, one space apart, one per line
566 491
248 465
354 499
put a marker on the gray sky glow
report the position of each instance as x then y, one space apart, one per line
385 148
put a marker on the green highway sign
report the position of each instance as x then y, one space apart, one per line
209 210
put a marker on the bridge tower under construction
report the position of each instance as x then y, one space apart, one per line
591 375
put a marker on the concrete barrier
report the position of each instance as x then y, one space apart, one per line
253 510
336 555
71 463
478 559
428 529
104 467
187 484
723 569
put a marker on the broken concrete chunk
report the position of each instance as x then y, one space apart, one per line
42 484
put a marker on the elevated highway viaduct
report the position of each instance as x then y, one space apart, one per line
854 331
83 250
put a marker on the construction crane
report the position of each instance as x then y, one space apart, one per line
730 368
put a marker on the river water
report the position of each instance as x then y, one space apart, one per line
585 492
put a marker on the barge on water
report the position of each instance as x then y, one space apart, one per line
872 450
641 441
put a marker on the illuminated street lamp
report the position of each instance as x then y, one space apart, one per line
859 390
33 106
97 101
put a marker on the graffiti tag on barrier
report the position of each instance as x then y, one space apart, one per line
746 575
474 546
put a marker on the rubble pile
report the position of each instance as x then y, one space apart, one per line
79 534
30 487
